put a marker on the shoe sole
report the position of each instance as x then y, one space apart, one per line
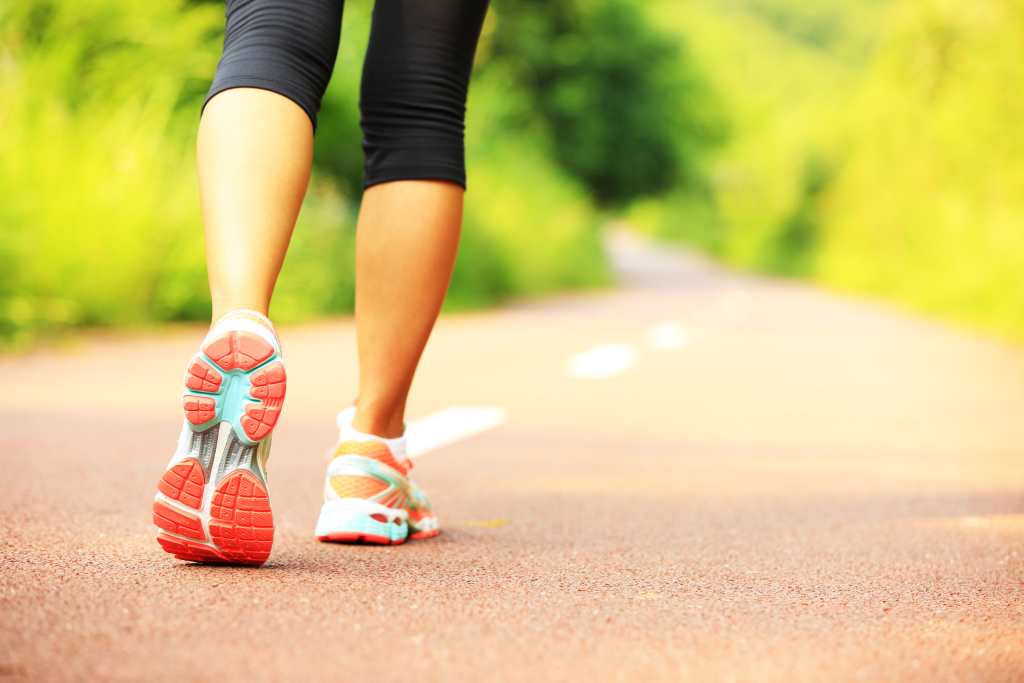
354 520
212 503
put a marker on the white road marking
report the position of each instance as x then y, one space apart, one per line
667 335
602 361
447 426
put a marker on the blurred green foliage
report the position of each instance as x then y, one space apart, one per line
98 219
783 72
628 113
871 144
929 206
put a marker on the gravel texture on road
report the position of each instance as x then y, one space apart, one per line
808 487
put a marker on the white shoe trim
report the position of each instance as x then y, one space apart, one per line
247 326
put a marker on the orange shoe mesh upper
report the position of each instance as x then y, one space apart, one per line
374 450
352 486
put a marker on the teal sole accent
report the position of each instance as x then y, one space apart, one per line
231 399
353 525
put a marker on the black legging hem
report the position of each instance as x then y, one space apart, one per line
427 171
402 171
284 89
415 77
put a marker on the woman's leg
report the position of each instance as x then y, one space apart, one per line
407 238
413 99
254 155
213 502
256 140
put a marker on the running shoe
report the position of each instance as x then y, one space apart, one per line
212 503
368 494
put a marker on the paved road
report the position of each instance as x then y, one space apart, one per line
807 488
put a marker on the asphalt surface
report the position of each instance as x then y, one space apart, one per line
811 488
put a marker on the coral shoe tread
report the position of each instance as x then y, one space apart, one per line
201 377
238 349
177 521
198 409
184 482
354 537
241 523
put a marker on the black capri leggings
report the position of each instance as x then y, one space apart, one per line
415 79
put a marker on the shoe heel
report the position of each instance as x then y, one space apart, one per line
212 503
241 520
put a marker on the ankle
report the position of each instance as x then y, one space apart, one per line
221 309
250 314
382 422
